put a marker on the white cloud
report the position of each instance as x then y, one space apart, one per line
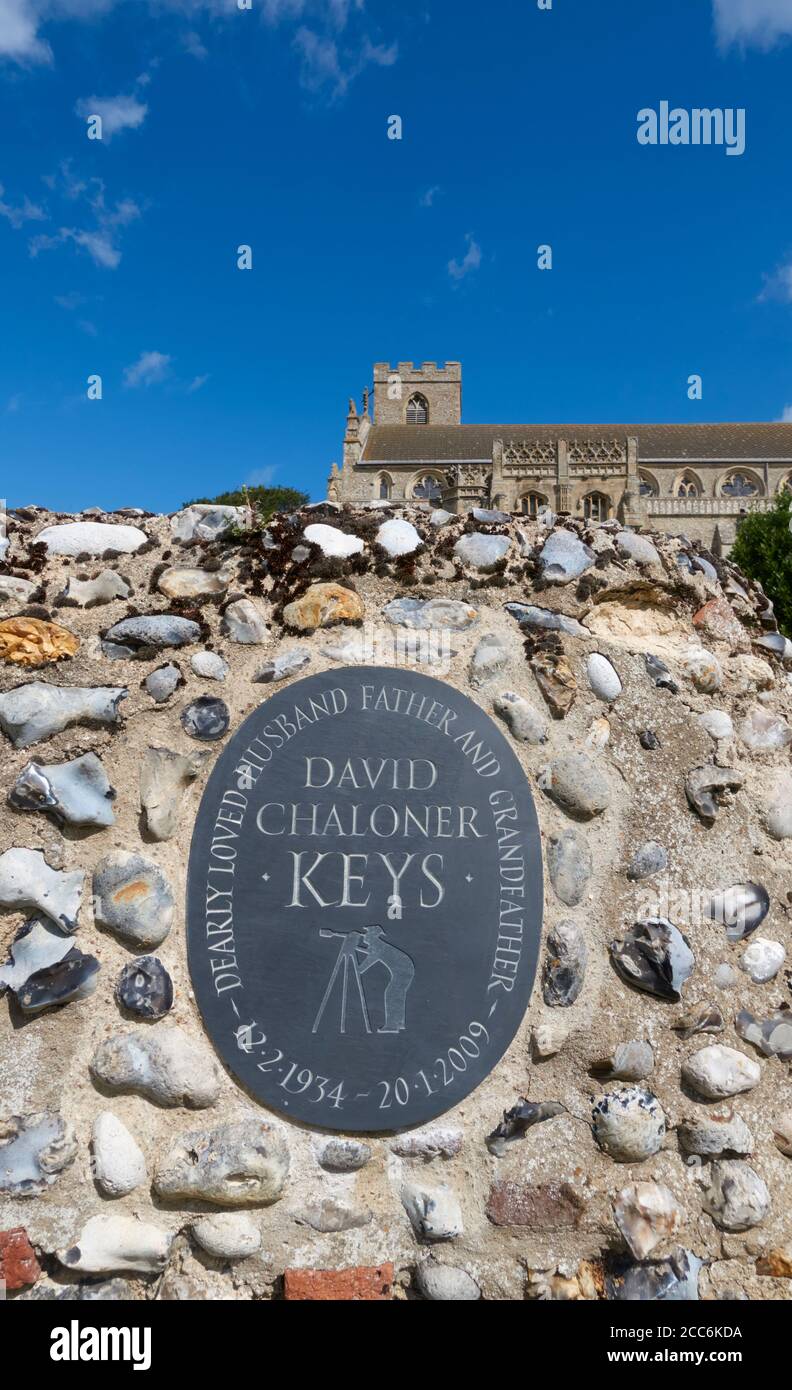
752 23
117 113
193 44
19 39
786 415
150 368
470 261
778 285
261 477
197 382
101 240
23 212
426 199
322 66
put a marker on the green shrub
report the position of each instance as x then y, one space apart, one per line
763 550
266 500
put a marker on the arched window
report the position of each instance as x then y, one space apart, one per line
688 486
385 487
740 485
647 487
531 503
596 506
427 489
417 410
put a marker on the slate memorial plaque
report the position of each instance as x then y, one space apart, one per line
364 899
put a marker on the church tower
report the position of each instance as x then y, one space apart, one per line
411 395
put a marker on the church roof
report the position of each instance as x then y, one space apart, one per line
656 443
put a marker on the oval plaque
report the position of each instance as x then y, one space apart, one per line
364 899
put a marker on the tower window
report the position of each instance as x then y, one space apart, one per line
417 410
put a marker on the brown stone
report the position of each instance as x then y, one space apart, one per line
32 642
552 1206
18 1264
322 605
556 680
718 621
777 1263
359 1284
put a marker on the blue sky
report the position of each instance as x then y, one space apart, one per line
269 127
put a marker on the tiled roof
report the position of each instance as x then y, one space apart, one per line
461 443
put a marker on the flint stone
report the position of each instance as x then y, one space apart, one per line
26 880
398 537
654 956
737 1198
764 732
603 678
227 1235
434 1212
548 1038
779 819
782 1133
704 670
71 979
570 866
133 898
331 1215
446 1283
440 518
344 1155
37 946
118 1243
205 521
650 858
636 548
76 792
675 1280
161 683
717 723
706 786
34 1149
333 542
118 1163
763 959
519 1119
145 988
490 517
283 665
321 605
563 558
164 779
712 1134
577 785
440 1141
242 1164
491 654
525 724
117 651
15 590
629 1125
155 630
773 1035
776 643
209 665
629 1061
91 538
430 613
193 583
717 1072
206 718
534 619
646 1213
565 965
481 551
35 711
90 593
165 1066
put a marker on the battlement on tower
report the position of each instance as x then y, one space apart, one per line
439 388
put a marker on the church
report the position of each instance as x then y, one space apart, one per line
409 444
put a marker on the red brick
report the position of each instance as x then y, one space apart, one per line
360 1284
553 1206
18 1264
